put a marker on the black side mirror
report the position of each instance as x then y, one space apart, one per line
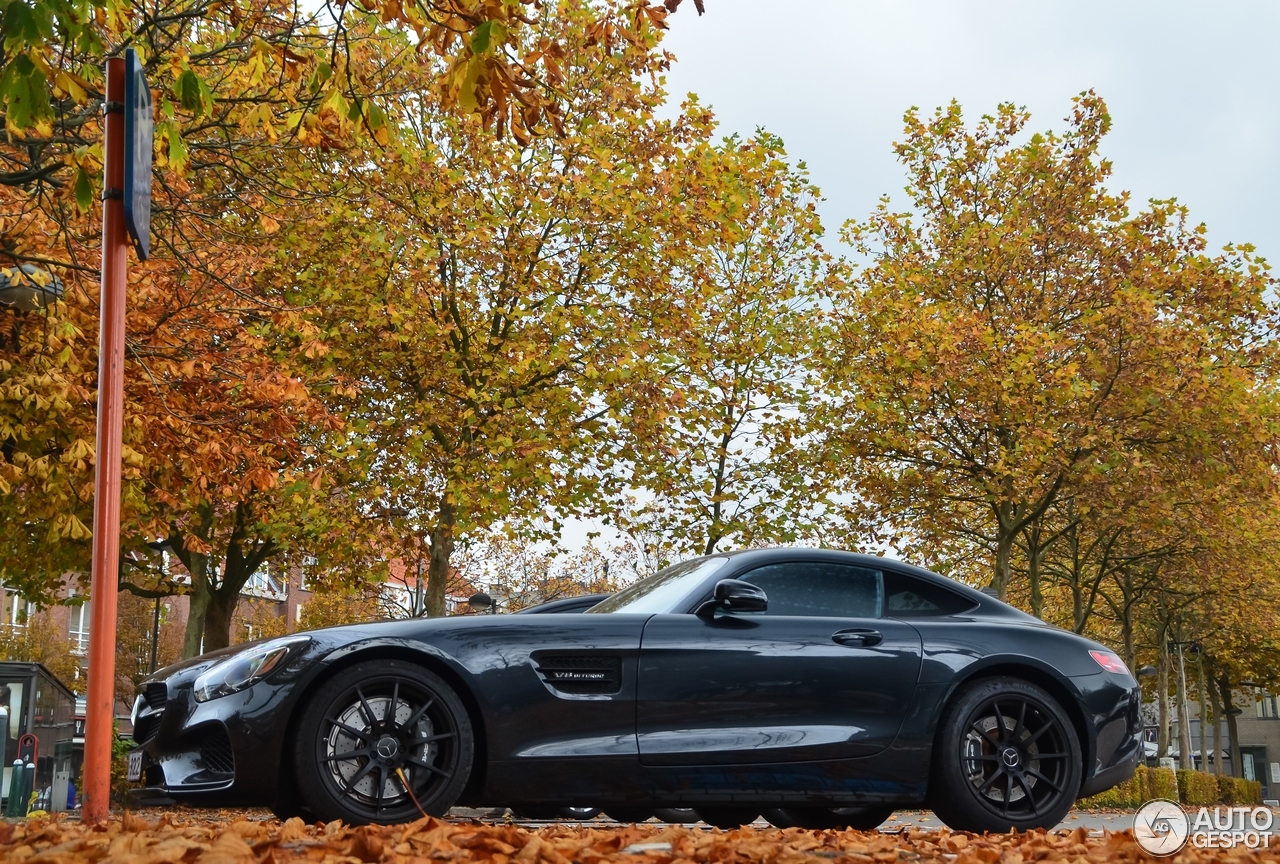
733 595
1148 672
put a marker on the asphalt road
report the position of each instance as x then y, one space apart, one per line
1095 821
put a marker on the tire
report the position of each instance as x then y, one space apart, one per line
728 818
676 814
580 814
1007 756
823 818
348 749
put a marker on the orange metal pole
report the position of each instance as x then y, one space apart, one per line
100 707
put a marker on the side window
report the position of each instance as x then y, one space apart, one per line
908 597
819 589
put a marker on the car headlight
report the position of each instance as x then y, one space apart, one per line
246 668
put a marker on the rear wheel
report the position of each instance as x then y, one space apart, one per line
378 735
676 814
1007 757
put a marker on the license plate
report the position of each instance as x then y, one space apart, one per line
135 766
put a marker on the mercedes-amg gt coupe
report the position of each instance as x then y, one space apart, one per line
815 687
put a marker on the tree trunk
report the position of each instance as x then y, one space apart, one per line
1162 687
442 540
197 604
1034 553
1228 704
217 622
1216 704
1204 713
1185 759
1004 555
197 565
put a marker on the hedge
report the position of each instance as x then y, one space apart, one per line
1146 783
1190 787
1199 788
1237 790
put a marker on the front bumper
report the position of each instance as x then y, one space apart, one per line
225 749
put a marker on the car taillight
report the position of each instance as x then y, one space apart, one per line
1110 661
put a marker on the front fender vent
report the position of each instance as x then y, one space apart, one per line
215 749
581 674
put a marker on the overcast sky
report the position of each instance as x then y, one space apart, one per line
1193 89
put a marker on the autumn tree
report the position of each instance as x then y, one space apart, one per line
519 573
1021 334
717 456
36 640
480 344
222 434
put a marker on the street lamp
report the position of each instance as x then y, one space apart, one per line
482 603
27 287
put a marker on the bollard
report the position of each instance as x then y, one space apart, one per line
28 787
15 788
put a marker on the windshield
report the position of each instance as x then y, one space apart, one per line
659 592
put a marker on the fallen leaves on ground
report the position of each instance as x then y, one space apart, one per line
183 839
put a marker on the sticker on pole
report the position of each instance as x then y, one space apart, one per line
138 134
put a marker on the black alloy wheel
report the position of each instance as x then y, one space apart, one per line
823 818
377 736
1007 758
728 818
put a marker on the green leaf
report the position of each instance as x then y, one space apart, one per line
26 93
481 37
320 77
84 190
188 90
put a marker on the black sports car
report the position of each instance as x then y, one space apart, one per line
824 688
581 603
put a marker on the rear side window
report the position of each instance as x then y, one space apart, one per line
909 597
819 589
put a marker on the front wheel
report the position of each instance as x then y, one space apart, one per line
1007 757
380 739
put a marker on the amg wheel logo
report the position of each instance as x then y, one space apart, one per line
572 675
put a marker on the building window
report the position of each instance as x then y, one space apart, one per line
16 610
263 583
79 630
1266 706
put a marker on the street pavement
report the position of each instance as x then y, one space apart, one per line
1094 821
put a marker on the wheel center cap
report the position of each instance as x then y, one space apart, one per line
1011 757
387 748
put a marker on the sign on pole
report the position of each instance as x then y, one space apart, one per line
126 211
138 136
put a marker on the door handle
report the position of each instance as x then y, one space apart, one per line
858 637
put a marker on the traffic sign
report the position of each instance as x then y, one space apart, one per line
138 136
